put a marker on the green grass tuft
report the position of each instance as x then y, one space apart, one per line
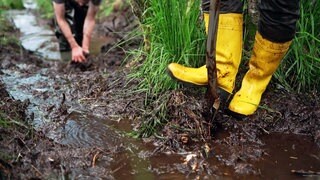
300 70
174 34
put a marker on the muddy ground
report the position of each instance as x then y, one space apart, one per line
185 147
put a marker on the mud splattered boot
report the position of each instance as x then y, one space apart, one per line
228 55
264 61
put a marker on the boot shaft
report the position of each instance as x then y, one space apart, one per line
264 61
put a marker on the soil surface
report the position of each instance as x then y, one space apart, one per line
285 130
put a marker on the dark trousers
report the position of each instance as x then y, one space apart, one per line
75 16
277 20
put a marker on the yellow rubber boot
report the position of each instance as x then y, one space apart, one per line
229 50
264 61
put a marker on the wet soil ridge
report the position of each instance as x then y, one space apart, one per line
280 112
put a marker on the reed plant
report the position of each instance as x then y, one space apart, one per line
300 70
174 33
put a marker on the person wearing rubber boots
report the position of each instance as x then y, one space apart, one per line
75 21
276 29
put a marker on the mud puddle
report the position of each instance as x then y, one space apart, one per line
276 156
289 156
72 123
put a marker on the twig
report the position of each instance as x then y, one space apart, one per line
305 173
264 130
95 157
24 143
36 170
63 172
118 168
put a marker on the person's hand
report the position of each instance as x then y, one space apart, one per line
78 54
85 52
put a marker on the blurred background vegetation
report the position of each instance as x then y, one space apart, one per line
10 4
106 7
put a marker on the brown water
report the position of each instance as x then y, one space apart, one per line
288 152
285 156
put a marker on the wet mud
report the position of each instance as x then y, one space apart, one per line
72 121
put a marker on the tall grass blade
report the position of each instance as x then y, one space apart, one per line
300 70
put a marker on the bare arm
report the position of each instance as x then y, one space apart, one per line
77 51
88 27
